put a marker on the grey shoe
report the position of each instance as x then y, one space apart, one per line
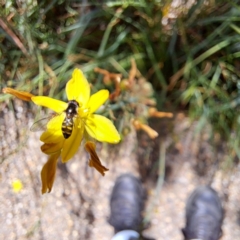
204 215
126 204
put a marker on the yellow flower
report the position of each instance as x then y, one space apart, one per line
85 122
17 185
73 121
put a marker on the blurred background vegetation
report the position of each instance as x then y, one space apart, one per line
188 50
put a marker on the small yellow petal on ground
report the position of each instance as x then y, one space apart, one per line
17 185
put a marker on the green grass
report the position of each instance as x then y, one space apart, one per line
211 72
192 62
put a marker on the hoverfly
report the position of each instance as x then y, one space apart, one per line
67 125
71 112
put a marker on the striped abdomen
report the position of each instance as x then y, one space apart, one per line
67 127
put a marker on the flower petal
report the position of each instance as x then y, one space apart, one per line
78 88
53 134
72 144
48 173
17 185
94 161
56 122
97 99
54 104
50 137
153 112
51 148
102 129
26 96
138 125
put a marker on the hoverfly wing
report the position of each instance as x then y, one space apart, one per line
41 124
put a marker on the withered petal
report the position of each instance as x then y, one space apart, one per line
25 96
94 161
48 173
151 132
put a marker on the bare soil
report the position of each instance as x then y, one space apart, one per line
78 206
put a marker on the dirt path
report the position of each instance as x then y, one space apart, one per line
78 206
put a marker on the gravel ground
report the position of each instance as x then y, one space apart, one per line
78 206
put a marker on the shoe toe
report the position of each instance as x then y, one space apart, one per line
126 203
